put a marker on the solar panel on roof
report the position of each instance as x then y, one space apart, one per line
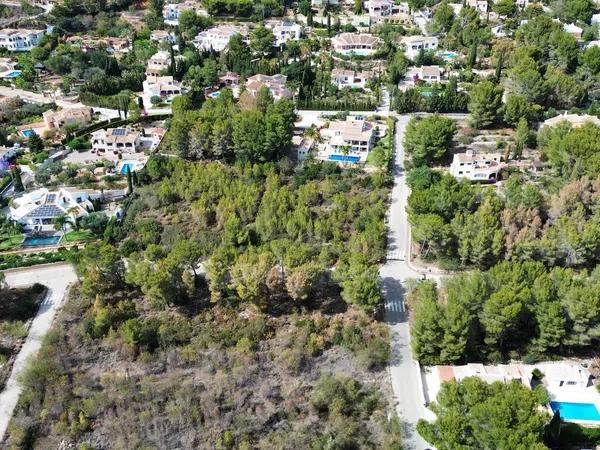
45 211
51 198
118 132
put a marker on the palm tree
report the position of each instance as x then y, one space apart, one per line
60 223
72 212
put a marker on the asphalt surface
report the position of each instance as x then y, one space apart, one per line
404 371
56 277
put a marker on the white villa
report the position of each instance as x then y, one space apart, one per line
122 140
414 44
158 62
20 40
171 11
164 36
430 74
350 78
275 84
576 120
480 5
348 140
387 11
284 31
37 210
566 382
217 38
351 43
164 87
474 167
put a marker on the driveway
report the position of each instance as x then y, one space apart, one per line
56 277
404 371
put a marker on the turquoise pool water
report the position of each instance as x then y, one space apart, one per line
39 241
13 74
28 133
124 168
448 55
215 94
344 158
576 411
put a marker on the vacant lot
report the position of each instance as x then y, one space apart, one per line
17 308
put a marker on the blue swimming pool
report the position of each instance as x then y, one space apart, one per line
344 158
124 168
448 55
12 74
215 94
40 241
576 411
28 133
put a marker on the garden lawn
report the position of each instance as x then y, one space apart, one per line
78 235
9 242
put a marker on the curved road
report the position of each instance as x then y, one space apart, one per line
404 371
56 277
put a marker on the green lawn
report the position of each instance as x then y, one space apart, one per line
78 235
9 242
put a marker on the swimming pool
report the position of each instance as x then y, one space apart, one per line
344 158
28 133
124 168
12 74
40 241
215 94
576 411
448 56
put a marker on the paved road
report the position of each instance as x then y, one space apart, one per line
56 278
404 371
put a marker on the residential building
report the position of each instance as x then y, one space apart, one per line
351 78
7 153
217 38
415 44
304 147
157 63
229 79
38 210
8 64
429 74
348 140
355 43
164 87
480 5
324 3
573 30
164 36
118 140
596 19
275 84
475 167
111 44
387 11
20 39
67 116
576 120
284 31
171 11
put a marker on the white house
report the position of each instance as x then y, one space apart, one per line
415 44
348 140
164 36
351 78
164 87
171 11
217 38
118 140
158 62
284 31
573 30
7 153
474 167
304 147
37 210
323 3
429 74
20 40
355 43
576 120
387 11
275 84
480 5
595 19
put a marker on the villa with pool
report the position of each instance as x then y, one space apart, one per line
570 385
38 210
